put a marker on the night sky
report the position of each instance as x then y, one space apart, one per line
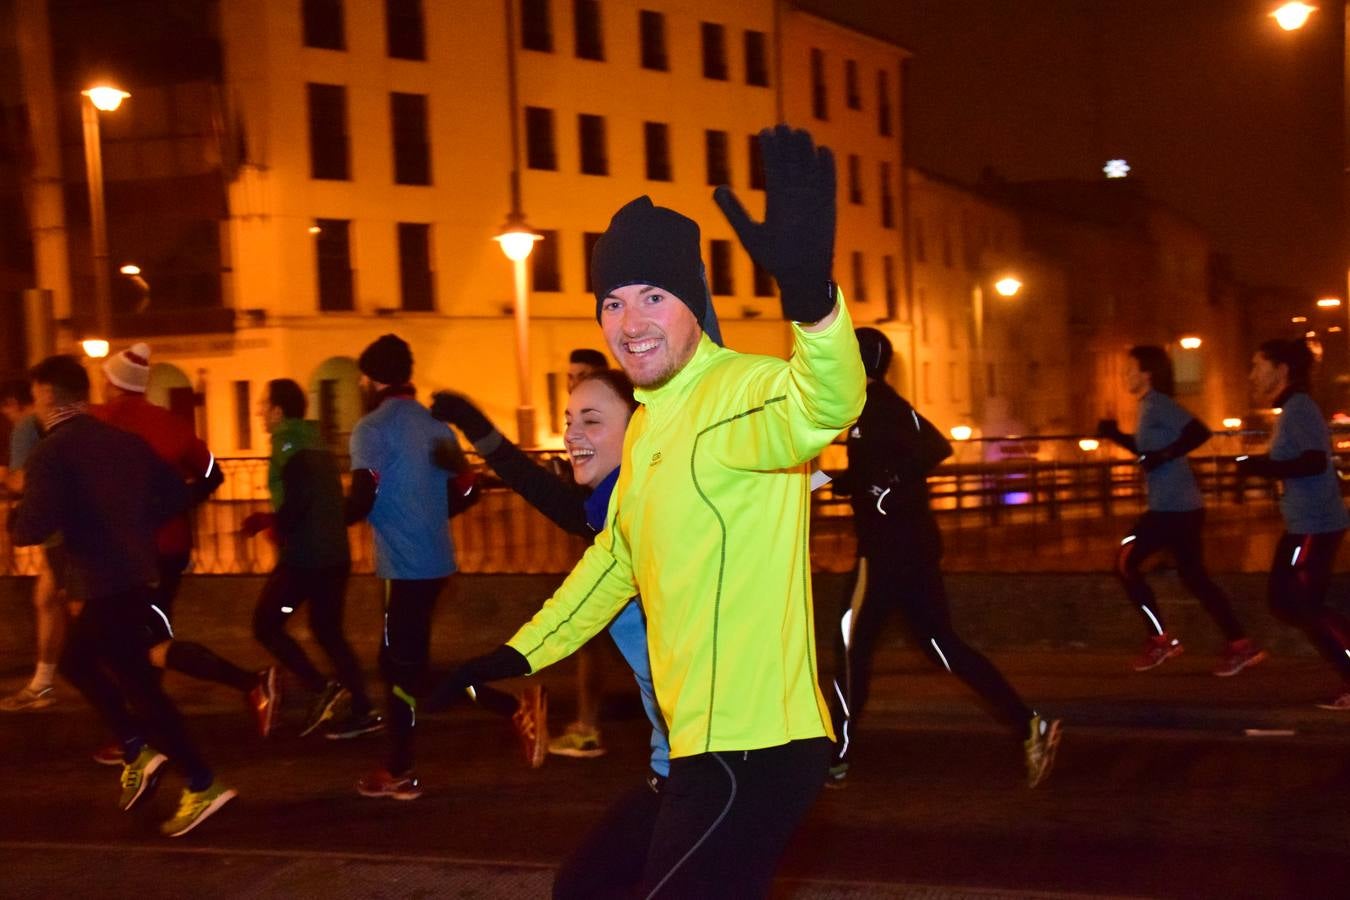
1227 118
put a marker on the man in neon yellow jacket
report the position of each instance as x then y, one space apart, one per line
709 522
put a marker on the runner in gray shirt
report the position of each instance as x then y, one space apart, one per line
1315 519
1175 518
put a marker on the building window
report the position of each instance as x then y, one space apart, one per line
920 245
887 199
403 29
334 253
540 150
589 41
763 281
591 130
243 416
756 59
328 131
855 195
544 272
888 285
756 163
722 281
588 240
416 282
656 137
715 147
859 277
851 94
536 26
652 26
820 105
412 152
883 105
322 20
714 51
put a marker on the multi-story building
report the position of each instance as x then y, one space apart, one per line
337 169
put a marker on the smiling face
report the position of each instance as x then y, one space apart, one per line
1268 378
650 332
596 421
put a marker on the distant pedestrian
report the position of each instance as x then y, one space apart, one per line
891 452
313 564
107 493
1314 514
1175 520
49 604
399 485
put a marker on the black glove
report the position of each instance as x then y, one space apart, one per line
504 662
795 242
456 409
1108 428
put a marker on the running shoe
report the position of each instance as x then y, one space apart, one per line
578 741
1040 749
110 754
265 699
325 707
351 726
1240 655
1157 651
195 807
836 776
1340 704
381 783
27 699
531 724
140 776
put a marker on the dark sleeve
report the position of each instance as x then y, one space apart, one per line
169 495
204 487
362 498
504 662
1192 436
1309 462
1124 441
564 504
918 446
38 515
297 484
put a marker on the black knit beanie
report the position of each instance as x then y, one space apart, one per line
648 244
876 351
388 360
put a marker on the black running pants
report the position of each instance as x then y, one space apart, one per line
1299 578
404 652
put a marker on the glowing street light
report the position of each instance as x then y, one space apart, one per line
961 432
1116 168
1293 16
1190 342
1232 423
105 97
94 348
517 239
130 269
1298 320
1008 286
99 98
1087 445
1329 302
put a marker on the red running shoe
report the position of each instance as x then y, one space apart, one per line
1157 651
1240 655
110 754
531 724
265 699
380 783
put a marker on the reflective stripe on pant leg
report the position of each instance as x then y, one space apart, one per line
731 798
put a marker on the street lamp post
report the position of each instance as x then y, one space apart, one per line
517 240
101 98
1008 287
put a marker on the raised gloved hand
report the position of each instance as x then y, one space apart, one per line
795 242
447 406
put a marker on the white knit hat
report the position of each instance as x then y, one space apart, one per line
130 369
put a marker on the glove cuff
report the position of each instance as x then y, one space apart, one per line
807 302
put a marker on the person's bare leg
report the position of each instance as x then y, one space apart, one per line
49 614
582 737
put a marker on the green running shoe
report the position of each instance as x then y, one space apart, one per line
140 776
195 807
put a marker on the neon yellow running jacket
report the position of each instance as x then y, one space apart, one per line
709 522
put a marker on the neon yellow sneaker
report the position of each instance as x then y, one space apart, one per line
140 776
578 741
194 807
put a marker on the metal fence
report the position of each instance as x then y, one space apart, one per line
1063 510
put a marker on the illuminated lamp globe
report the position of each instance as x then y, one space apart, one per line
962 432
1087 445
1008 286
1232 423
1190 343
517 242
1293 16
94 348
105 97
